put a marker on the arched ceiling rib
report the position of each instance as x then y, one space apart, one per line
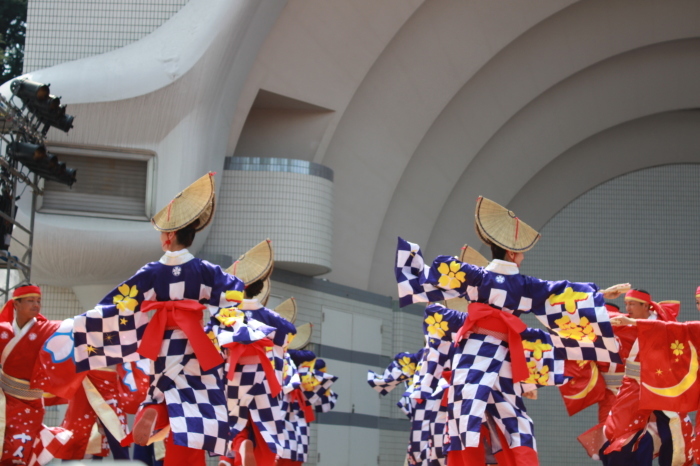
663 138
440 48
474 119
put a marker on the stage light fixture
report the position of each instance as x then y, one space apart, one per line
47 108
36 158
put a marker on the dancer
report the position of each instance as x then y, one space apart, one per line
491 357
187 390
638 414
254 339
23 332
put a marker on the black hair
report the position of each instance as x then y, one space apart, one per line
254 289
185 236
497 252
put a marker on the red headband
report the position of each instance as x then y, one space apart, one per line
636 295
8 311
26 291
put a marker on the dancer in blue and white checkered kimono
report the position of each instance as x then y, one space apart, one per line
495 350
187 389
425 445
255 376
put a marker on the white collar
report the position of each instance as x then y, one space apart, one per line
176 257
503 267
250 305
22 331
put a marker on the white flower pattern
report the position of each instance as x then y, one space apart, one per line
176 271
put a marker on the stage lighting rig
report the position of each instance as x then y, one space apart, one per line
46 108
38 160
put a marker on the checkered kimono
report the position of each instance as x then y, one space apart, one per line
296 424
482 377
422 413
248 392
315 381
111 333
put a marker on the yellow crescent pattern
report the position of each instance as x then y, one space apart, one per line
591 383
687 381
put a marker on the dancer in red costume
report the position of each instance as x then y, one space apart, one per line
23 331
628 427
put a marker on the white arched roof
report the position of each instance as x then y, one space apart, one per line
432 103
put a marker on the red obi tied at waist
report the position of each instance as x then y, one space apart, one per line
487 320
239 352
298 396
185 315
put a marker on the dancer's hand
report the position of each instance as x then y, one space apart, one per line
616 290
623 320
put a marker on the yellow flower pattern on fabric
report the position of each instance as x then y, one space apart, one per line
234 296
568 298
537 348
537 376
450 276
230 316
677 348
579 332
308 365
213 339
125 301
436 326
309 382
408 367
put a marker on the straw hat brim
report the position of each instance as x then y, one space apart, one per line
497 225
288 309
196 202
456 304
256 264
472 256
302 338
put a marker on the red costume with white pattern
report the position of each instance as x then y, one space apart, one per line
24 408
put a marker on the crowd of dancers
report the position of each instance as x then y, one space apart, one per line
193 352
464 389
187 347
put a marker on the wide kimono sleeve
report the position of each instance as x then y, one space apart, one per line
399 370
221 291
291 380
545 366
448 273
577 317
440 326
110 333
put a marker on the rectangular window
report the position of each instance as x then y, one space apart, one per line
110 183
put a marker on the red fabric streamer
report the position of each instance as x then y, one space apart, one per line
238 350
298 396
186 315
497 320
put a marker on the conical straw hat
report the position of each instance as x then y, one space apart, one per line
194 202
472 256
302 337
497 225
265 292
288 309
255 264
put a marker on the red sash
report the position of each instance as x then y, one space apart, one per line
298 396
500 321
185 315
238 350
